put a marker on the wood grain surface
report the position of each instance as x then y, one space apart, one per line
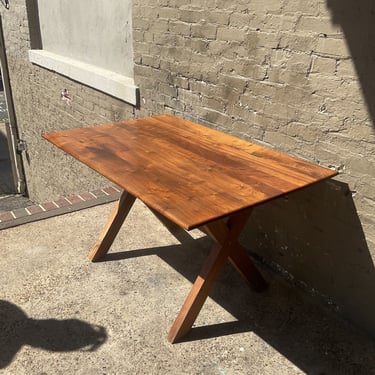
189 173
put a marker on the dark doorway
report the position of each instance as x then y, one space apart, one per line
12 179
7 185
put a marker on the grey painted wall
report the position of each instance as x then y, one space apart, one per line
96 32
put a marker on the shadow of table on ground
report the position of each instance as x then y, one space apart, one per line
16 330
313 339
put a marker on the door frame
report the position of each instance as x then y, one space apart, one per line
11 125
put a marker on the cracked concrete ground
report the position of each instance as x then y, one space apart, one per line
61 314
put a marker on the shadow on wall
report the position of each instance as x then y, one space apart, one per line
16 330
315 234
34 25
357 19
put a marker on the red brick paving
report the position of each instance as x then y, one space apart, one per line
6 216
87 196
75 199
48 206
58 207
20 212
34 209
62 202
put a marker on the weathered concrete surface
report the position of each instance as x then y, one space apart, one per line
75 35
61 314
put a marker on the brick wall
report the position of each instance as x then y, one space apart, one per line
294 75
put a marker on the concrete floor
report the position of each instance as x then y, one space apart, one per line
61 314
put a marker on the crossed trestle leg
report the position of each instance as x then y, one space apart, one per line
112 227
226 247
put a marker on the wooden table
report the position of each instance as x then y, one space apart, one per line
191 176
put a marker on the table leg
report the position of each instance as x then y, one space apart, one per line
225 236
198 293
242 263
112 227
238 255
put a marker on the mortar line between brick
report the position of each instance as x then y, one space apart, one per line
69 201
28 212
